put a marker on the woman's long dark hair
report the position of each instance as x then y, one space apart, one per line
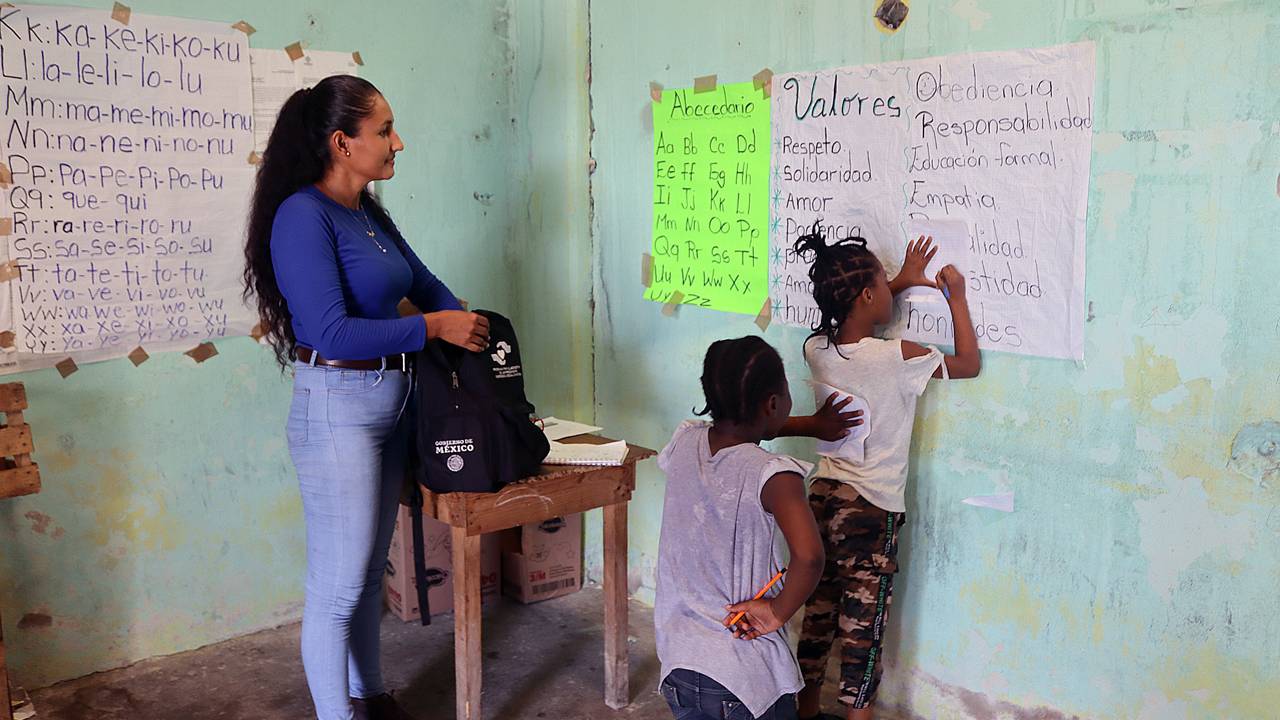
298 155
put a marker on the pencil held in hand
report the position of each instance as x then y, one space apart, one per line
737 618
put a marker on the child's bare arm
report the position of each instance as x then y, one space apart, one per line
967 362
829 423
784 497
920 253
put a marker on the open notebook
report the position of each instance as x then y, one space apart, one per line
583 454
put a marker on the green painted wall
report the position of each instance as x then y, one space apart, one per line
170 515
1137 577
550 255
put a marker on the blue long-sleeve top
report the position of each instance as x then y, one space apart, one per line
342 290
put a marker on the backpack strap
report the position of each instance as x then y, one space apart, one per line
419 554
414 495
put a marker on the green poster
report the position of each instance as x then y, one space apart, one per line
711 198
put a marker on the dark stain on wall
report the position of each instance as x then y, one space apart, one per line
31 621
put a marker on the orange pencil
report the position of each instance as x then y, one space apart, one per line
763 590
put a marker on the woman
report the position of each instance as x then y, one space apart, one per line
328 267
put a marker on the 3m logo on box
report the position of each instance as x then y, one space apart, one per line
544 560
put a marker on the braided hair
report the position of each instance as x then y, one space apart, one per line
839 272
738 376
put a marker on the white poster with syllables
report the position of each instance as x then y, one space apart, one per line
988 152
128 145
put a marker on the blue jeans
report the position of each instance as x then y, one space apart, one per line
694 696
349 441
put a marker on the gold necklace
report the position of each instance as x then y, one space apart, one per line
368 227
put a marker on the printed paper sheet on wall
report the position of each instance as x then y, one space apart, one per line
276 76
987 152
128 146
710 210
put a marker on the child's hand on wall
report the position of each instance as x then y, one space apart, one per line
920 253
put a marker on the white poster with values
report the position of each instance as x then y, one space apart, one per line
126 147
988 152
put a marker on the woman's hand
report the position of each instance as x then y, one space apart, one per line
467 330
831 423
920 253
760 619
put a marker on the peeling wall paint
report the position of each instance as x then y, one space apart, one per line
1255 453
170 515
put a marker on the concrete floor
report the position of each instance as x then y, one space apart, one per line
541 661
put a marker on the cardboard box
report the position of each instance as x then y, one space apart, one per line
399 581
543 560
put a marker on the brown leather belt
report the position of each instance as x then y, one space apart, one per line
399 361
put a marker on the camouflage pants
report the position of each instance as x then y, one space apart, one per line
853 597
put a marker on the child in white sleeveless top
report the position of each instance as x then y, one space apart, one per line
859 506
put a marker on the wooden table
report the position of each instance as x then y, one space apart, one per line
555 491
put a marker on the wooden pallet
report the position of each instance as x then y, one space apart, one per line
18 474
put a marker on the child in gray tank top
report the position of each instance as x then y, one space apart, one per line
726 499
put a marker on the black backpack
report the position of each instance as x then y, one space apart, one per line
474 432
472 426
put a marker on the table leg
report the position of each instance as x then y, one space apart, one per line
616 690
466 623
